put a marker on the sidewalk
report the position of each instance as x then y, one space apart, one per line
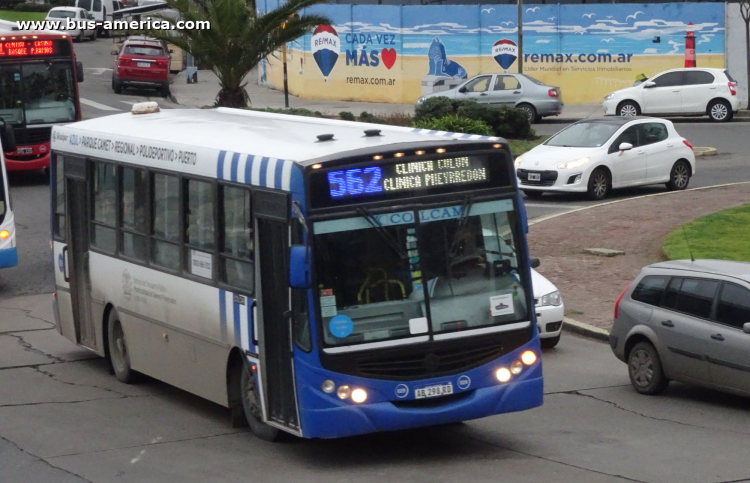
204 92
590 284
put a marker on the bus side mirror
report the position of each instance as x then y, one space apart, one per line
79 71
299 266
7 137
534 262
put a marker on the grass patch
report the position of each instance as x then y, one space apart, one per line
520 146
16 16
721 236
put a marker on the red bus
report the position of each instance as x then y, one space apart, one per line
39 79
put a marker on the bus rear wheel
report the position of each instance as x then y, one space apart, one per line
251 405
119 354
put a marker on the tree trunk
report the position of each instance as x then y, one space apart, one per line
236 97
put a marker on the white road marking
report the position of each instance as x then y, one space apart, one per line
96 105
98 70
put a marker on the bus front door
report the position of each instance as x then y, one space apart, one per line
273 298
78 252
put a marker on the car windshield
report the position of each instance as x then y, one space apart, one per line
584 135
384 276
61 14
37 93
144 50
535 81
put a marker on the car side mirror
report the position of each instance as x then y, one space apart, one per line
79 71
462 90
625 147
171 51
746 328
649 84
299 266
534 262
7 137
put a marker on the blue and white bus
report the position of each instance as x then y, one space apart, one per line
317 277
8 249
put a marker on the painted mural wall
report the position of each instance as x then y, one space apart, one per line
395 54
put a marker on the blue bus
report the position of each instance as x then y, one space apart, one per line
317 277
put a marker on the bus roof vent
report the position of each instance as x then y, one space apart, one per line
325 137
145 108
372 132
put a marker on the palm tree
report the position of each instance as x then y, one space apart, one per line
240 37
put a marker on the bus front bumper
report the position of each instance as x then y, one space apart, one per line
352 420
33 163
8 257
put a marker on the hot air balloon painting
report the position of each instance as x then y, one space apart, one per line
325 48
505 53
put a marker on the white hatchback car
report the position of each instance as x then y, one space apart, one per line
679 92
549 309
78 15
596 155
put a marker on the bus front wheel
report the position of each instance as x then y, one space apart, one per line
118 350
251 405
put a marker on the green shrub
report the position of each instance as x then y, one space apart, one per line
399 119
454 123
347 116
434 108
371 118
32 7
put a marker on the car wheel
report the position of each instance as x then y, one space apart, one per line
119 354
533 194
164 91
720 111
679 177
530 112
251 405
94 36
80 36
628 109
599 184
117 86
645 370
550 342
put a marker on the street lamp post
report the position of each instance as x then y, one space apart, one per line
520 36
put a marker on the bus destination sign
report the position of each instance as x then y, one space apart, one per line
408 176
27 48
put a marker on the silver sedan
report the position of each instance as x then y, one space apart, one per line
521 91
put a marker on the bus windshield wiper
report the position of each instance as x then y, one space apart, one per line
380 230
465 209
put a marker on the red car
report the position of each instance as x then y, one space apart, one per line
141 63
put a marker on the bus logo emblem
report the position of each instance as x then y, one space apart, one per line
464 382
402 390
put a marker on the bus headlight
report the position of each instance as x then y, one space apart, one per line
528 357
4 235
359 395
516 367
503 374
328 386
344 392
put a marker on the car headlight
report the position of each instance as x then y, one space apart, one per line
519 161
576 163
420 100
551 299
609 96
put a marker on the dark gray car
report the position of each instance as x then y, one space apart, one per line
521 91
686 321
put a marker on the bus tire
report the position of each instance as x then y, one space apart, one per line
118 350
252 407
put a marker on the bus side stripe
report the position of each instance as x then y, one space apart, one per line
286 175
256 171
249 169
220 165
237 330
270 173
235 166
227 174
223 313
278 173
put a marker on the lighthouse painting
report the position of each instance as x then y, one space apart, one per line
690 46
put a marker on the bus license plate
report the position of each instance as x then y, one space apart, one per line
143 64
434 391
24 150
535 176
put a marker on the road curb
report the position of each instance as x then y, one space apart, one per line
585 330
700 152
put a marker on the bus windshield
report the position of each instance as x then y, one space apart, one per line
383 276
37 93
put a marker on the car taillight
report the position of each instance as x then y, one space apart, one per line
125 60
161 62
687 143
553 93
617 304
732 89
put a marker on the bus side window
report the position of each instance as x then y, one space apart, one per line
104 212
59 219
237 238
300 315
200 234
134 222
165 231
